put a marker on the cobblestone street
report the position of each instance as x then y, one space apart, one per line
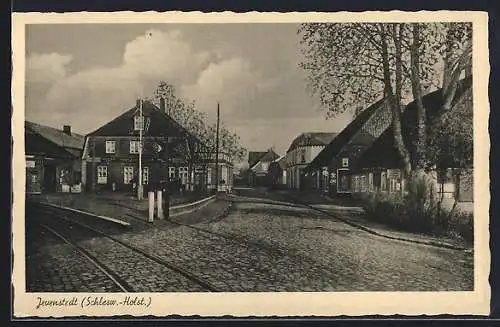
257 247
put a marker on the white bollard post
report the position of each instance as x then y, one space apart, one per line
151 198
159 202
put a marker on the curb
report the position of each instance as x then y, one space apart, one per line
106 218
192 206
296 203
397 238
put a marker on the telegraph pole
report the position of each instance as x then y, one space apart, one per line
217 152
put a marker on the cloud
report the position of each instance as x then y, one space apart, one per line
262 97
45 68
232 82
93 96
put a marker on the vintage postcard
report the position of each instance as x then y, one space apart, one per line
256 164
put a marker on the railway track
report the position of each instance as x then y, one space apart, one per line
111 275
113 257
237 239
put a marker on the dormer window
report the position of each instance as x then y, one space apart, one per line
138 123
345 162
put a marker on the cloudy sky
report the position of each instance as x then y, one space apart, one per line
85 75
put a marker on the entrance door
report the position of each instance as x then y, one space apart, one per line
343 181
32 182
49 178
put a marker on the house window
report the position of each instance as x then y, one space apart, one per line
370 182
345 162
264 166
128 174
134 146
301 155
171 172
110 146
138 122
363 183
102 174
183 175
383 181
145 175
209 173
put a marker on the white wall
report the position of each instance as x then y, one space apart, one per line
313 152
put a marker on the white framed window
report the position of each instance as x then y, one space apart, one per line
110 146
102 174
171 172
138 122
209 173
370 182
183 174
134 146
345 162
383 181
145 175
128 174
264 166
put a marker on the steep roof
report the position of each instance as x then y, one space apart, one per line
256 156
281 161
348 134
57 136
311 139
383 152
160 124
36 144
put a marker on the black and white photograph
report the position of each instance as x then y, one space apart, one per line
301 156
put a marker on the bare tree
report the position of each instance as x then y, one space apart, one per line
351 65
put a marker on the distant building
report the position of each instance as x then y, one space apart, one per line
258 163
170 154
330 171
277 172
301 152
53 161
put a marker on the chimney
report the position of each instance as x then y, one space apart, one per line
162 105
67 130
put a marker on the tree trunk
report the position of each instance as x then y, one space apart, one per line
453 71
448 60
395 104
421 138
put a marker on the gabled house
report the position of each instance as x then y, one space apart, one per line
258 166
330 171
380 167
53 159
169 153
303 149
277 172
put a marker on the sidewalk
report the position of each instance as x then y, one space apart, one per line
351 212
121 206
